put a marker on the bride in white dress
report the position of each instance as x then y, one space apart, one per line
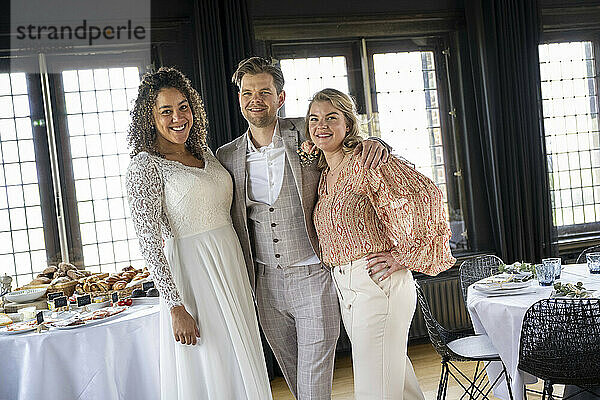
180 195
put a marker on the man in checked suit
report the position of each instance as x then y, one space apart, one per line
274 197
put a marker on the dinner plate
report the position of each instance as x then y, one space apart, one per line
97 321
514 292
91 322
4 331
500 283
68 327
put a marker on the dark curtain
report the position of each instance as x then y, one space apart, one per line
503 39
224 37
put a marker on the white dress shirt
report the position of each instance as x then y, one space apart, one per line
264 169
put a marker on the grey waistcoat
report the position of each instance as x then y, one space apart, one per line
277 231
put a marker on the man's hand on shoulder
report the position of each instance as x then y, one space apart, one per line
372 153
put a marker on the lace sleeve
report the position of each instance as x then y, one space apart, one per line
145 192
411 208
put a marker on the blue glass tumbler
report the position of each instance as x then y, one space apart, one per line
545 274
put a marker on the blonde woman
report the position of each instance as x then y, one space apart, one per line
374 227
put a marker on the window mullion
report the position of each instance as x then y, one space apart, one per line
46 185
54 167
364 66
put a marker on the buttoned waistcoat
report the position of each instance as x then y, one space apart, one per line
306 178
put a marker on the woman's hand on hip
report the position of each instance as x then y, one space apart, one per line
185 328
378 261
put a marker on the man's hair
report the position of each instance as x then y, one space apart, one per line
258 65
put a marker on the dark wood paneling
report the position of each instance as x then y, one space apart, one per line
372 25
277 8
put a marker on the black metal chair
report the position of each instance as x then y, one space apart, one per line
454 347
581 258
560 343
477 268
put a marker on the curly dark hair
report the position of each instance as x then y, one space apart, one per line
142 130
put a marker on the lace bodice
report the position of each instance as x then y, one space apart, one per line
171 200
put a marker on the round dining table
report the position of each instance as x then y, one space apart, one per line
501 318
113 359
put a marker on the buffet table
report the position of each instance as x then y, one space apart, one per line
501 318
114 359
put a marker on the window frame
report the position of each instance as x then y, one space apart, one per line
50 219
45 184
346 48
567 235
60 115
438 44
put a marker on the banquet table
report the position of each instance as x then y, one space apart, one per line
114 359
501 318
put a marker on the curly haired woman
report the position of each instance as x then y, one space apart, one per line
374 226
178 192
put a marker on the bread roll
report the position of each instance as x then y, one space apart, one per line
41 280
74 274
50 270
66 267
61 279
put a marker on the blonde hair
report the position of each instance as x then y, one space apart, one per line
343 103
142 131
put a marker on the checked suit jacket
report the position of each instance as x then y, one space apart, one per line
233 157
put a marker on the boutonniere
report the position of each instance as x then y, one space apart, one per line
307 152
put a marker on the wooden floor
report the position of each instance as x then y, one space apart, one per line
427 367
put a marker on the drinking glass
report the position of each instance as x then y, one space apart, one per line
554 264
545 274
593 262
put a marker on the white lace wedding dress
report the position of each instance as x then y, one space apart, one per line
201 267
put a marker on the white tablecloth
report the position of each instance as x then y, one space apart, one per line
501 318
116 359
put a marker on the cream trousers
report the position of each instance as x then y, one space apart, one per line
377 317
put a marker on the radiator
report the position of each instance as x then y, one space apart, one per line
446 303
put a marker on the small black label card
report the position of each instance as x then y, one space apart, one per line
147 285
61 302
84 300
115 297
39 317
52 296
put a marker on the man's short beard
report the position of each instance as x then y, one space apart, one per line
262 122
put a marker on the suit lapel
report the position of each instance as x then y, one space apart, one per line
289 134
